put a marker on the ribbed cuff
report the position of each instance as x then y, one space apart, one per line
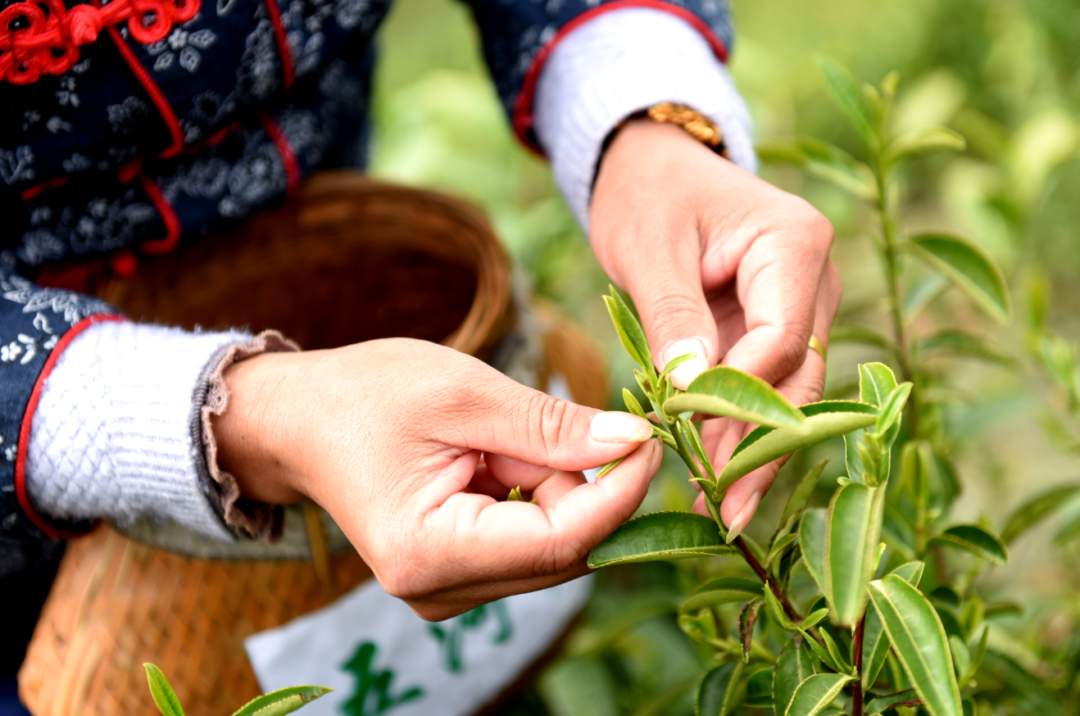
619 63
112 434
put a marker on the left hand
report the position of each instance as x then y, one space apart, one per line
719 263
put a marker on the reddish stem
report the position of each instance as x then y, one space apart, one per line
856 688
764 577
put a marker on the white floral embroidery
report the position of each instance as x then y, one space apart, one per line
122 116
24 346
183 45
15 166
58 124
67 94
71 306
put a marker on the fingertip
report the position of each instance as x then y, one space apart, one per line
685 373
618 427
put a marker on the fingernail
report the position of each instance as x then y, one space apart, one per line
682 376
616 427
743 518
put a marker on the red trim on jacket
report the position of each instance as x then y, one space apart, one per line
523 117
39 189
288 70
288 156
28 418
168 215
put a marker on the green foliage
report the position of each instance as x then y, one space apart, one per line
162 692
919 642
661 535
887 646
276 703
726 392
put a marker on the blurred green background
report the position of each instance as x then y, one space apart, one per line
1005 74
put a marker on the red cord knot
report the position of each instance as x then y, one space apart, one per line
43 37
83 24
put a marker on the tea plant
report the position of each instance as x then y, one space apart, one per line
275 703
897 623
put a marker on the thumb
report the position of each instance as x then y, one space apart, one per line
674 312
503 417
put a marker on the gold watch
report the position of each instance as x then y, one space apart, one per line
693 122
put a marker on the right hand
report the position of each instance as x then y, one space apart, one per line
411 447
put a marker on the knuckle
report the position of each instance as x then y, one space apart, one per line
812 225
792 347
670 309
550 422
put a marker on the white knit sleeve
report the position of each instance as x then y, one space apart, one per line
619 63
115 433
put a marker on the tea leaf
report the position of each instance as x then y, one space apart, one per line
884 703
919 640
959 343
969 267
632 404
727 392
747 620
577 686
922 141
162 692
875 642
282 701
609 467
827 420
515 495
725 590
876 383
924 291
853 462
660 536
823 160
837 656
910 572
812 540
778 548
792 668
816 693
820 652
853 530
814 618
776 612
629 330
975 539
889 417
700 626
846 94
800 498
759 689
718 691
675 363
1034 510
961 659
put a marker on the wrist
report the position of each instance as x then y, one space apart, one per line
254 436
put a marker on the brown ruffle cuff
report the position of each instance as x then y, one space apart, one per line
261 520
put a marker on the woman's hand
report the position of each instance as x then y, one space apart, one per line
411 446
721 264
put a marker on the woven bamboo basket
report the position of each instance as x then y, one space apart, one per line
349 260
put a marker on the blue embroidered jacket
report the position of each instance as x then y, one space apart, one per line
122 134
